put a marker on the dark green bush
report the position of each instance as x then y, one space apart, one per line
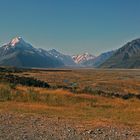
27 81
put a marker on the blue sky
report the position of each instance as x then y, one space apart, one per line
71 26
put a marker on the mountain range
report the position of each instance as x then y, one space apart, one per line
19 53
66 59
97 61
127 56
82 58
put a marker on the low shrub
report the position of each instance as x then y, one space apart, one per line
27 81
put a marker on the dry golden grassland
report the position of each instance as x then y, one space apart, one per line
83 108
116 81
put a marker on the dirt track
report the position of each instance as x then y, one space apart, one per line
38 127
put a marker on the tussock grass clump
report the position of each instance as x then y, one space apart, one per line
8 92
62 103
5 94
50 97
90 90
32 95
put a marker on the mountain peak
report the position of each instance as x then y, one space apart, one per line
17 40
127 56
86 53
54 51
81 58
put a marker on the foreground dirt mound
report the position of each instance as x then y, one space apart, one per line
40 127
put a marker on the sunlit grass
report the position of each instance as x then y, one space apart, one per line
118 81
64 104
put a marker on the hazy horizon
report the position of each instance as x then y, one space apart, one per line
73 26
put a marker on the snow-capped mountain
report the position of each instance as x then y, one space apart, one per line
66 59
15 44
21 54
99 59
82 58
18 40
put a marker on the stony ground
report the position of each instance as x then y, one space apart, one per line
40 127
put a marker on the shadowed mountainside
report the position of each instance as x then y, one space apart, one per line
18 53
126 57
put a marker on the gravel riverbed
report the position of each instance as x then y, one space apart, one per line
15 126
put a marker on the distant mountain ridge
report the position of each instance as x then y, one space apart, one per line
127 56
19 53
82 58
97 61
66 59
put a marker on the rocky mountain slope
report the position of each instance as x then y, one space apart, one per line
18 53
98 60
66 59
82 58
127 56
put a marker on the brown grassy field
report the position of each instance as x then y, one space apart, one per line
88 110
118 81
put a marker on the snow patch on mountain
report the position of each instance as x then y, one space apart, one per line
66 59
81 58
